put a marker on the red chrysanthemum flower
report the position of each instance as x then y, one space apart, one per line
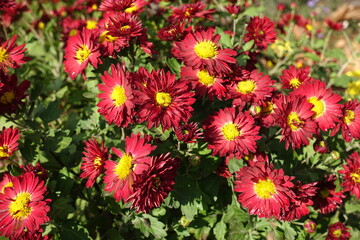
204 83
117 97
188 132
154 184
338 231
38 170
310 226
7 181
266 111
321 146
326 109
201 50
115 5
231 132
264 191
6 4
299 204
11 94
262 31
351 175
124 25
93 163
350 122
293 77
294 116
11 55
327 200
223 170
189 11
164 101
257 87
173 32
233 9
37 235
8 142
80 50
334 25
22 206
120 176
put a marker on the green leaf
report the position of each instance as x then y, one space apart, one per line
150 225
242 59
51 113
247 46
253 11
73 231
225 39
174 65
220 230
289 232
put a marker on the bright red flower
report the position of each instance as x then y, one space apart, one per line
6 4
334 25
310 226
231 132
22 206
115 5
124 25
262 31
93 163
233 9
173 32
338 231
117 97
293 77
253 89
264 191
8 142
120 176
154 184
164 100
12 94
204 83
80 50
351 175
327 200
350 122
326 109
201 50
321 146
189 11
37 235
294 116
7 181
38 170
11 55
188 132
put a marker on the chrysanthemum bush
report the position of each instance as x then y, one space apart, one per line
125 119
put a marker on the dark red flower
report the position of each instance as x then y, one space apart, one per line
11 55
38 170
189 11
334 25
338 231
188 132
8 142
262 31
351 175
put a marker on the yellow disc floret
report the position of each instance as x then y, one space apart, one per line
4 151
294 121
206 49
295 83
3 55
19 208
246 87
265 189
349 116
118 95
355 176
230 131
205 78
82 53
123 168
163 99
318 108
7 98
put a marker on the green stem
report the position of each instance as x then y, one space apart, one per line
326 44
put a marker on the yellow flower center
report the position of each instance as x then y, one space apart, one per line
246 87
230 131
105 37
353 88
124 28
3 55
94 7
205 78
91 24
41 25
295 83
324 193
309 27
265 189
268 108
349 116
131 9
118 95
9 184
294 121
206 49
337 233
249 157
4 151
97 162
163 99
355 176
7 97
318 108
19 208
73 32
123 168
82 53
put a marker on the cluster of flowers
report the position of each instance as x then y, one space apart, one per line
22 205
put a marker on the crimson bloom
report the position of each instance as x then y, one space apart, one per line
22 206
231 132
38 170
327 200
120 176
264 191
173 32
310 226
351 175
11 55
350 122
115 5
334 25
293 77
124 25
294 117
188 132
201 50
338 231
117 97
154 184
189 11
164 101
8 142
80 50
262 31
12 94
93 163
